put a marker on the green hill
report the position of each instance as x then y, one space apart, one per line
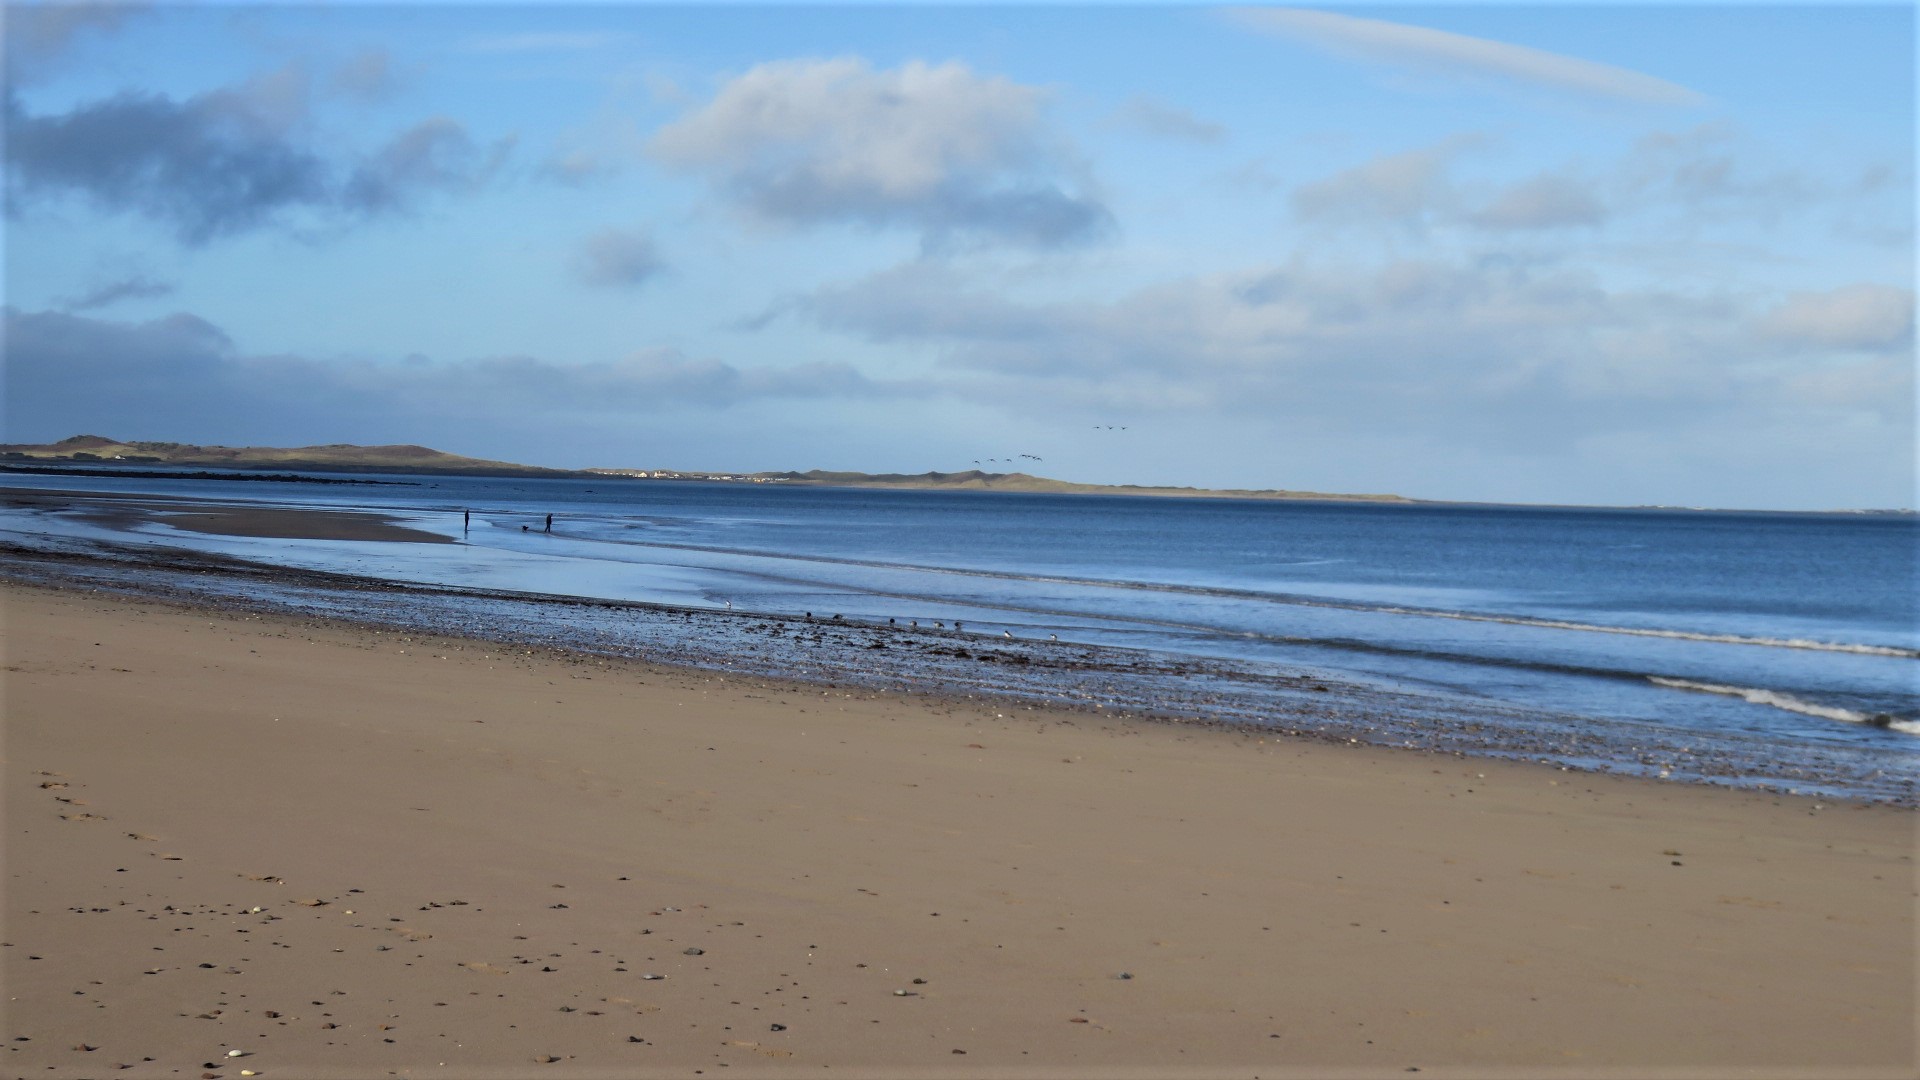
333 457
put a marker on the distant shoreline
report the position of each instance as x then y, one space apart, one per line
92 455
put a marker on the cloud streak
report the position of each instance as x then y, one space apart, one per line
1159 119
134 287
1423 48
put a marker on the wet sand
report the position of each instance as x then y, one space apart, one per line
467 858
202 516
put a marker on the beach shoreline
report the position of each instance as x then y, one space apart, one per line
132 552
1283 906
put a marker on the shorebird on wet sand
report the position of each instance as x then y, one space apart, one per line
1006 633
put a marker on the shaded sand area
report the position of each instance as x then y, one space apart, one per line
201 516
344 852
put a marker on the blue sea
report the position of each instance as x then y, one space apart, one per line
1786 644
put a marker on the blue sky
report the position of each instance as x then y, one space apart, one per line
1619 254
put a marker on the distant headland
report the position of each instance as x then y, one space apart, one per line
99 453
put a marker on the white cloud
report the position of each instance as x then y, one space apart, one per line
1410 188
1487 352
933 147
1861 317
1458 54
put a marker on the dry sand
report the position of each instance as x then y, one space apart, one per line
343 852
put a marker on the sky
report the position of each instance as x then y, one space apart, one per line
1622 254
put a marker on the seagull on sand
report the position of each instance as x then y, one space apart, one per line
1006 633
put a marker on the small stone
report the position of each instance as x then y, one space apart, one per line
903 993
694 951
635 1039
236 1053
1124 975
778 1027
650 976
919 982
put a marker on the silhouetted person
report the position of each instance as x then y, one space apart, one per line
549 522
466 520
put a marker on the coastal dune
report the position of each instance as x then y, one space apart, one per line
342 851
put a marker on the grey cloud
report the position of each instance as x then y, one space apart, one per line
618 258
1701 169
69 372
224 162
39 35
1442 52
369 76
1167 121
1543 202
207 166
1873 318
434 155
958 156
134 287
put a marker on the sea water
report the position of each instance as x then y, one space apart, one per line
1799 629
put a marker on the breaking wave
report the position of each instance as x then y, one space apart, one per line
1790 703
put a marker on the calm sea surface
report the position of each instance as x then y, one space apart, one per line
1798 630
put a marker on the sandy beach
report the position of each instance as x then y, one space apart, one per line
345 852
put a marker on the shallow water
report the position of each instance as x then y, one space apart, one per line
1791 635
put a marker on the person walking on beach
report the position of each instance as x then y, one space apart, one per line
549 522
466 520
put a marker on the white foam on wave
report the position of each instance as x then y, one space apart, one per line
1682 635
1790 703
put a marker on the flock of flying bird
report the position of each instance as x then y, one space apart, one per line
1036 457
